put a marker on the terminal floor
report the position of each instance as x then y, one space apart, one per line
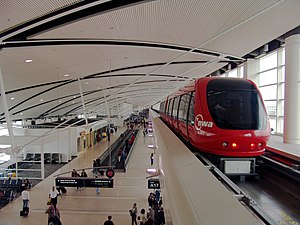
85 206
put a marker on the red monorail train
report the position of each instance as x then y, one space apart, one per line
219 116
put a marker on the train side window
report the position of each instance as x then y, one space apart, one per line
185 110
191 116
168 109
171 107
175 107
182 111
161 106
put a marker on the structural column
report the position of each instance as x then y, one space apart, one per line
291 131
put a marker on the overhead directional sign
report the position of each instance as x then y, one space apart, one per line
84 182
153 184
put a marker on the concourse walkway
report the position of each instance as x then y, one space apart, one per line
85 207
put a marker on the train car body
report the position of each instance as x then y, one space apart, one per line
219 116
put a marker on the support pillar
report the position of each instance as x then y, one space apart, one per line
291 130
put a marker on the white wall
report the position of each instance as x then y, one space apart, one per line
62 141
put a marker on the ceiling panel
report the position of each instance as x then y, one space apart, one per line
158 21
258 30
19 11
138 53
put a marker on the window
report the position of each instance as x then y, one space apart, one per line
269 92
183 107
268 62
171 102
161 107
233 73
269 73
175 107
271 107
191 117
169 107
235 105
268 77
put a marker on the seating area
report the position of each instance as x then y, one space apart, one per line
9 189
48 157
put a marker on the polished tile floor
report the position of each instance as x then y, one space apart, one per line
85 207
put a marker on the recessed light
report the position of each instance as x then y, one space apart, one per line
59 101
66 75
74 96
73 102
86 82
28 60
21 114
42 100
12 98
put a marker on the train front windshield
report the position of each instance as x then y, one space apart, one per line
235 105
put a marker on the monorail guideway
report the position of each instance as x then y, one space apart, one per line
274 198
276 194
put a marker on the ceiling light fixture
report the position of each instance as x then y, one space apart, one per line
42 100
12 98
66 75
28 60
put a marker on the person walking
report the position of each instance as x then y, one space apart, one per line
53 215
109 221
25 197
75 174
133 213
151 159
161 216
143 218
83 174
97 188
53 196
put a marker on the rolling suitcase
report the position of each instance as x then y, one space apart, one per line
24 212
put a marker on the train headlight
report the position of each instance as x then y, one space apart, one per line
260 144
252 145
224 144
233 145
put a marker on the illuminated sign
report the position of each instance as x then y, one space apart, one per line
84 182
153 184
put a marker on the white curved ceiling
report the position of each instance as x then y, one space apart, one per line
129 51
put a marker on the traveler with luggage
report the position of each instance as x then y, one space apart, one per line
53 215
25 197
53 196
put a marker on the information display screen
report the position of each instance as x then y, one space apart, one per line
84 182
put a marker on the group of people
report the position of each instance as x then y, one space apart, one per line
155 215
52 211
75 174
